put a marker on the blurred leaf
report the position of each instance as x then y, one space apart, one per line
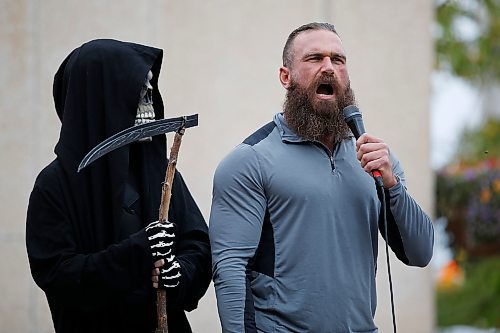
475 58
481 143
477 303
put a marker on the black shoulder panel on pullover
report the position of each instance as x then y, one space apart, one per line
260 134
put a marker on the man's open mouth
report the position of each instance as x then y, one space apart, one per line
324 89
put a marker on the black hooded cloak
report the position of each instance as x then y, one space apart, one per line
85 234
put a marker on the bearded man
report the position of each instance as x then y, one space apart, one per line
295 219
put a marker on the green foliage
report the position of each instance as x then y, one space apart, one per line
468 194
472 57
482 143
477 302
468 190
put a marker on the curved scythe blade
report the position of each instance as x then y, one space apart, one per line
135 133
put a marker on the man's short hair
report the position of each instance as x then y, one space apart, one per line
287 50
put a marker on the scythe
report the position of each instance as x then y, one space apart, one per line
136 133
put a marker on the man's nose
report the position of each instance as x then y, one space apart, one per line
327 65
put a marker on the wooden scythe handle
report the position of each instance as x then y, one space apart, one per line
161 294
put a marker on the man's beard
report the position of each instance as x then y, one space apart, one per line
314 120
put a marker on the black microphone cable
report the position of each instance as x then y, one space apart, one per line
380 189
354 120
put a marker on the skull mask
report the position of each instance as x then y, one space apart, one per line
145 110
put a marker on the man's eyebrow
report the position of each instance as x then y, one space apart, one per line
340 55
321 54
313 54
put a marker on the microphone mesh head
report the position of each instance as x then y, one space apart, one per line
353 119
351 111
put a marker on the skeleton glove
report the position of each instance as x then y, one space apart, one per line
161 238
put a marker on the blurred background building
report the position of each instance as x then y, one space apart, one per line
221 60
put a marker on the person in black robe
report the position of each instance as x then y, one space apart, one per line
86 236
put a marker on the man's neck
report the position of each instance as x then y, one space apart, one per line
328 141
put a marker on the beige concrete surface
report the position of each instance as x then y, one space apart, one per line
221 61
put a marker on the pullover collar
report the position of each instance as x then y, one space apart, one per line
287 135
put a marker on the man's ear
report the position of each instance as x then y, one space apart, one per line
285 77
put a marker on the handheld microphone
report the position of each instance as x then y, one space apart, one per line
354 120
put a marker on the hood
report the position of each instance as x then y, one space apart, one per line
96 93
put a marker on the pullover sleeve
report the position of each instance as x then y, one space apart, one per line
236 219
410 230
